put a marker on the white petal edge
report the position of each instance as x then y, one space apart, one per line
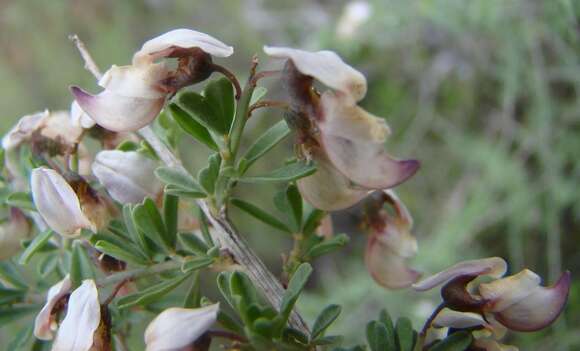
182 38
494 267
79 117
83 316
43 323
176 328
135 81
325 66
23 129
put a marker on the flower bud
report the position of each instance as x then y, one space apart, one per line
45 323
134 95
83 317
176 328
12 232
128 176
389 246
65 211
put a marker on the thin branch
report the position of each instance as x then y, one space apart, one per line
267 103
264 74
90 64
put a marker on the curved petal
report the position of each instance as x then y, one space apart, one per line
83 316
57 202
118 113
182 38
327 189
79 117
326 67
504 292
537 310
458 320
135 81
388 268
176 328
492 266
353 140
44 324
128 176
23 129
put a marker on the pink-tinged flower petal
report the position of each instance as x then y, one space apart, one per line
326 67
493 266
537 310
181 38
79 117
354 142
44 324
176 328
458 320
128 176
504 292
327 189
57 203
12 232
23 129
118 113
387 267
83 316
136 81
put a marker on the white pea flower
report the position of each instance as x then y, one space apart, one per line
336 133
176 328
80 117
45 323
12 232
65 211
390 245
128 176
83 317
23 129
134 95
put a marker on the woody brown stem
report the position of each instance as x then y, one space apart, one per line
267 103
231 77
90 64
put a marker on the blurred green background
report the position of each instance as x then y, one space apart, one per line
484 92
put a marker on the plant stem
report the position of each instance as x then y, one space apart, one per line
139 273
423 333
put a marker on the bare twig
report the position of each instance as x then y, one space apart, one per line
267 103
231 77
90 64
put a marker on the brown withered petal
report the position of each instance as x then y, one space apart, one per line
456 296
327 189
354 141
493 266
537 310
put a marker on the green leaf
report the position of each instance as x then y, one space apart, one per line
240 285
148 219
21 339
193 243
75 269
179 181
208 175
170 215
10 296
219 94
328 245
260 214
223 283
193 295
385 318
295 286
200 109
286 173
204 228
21 200
295 204
12 314
458 341
196 263
136 235
378 337
259 93
151 294
324 320
9 275
36 245
229 323
328 340
265 143
405 334
189 125
120 253
128 145
313 221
